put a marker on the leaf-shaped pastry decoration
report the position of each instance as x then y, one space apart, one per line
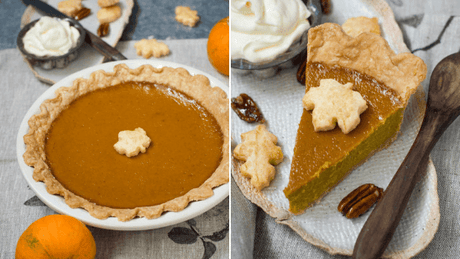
259 151
131 142
151 47
333 103
186 16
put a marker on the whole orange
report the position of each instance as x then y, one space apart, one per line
218 50
56 236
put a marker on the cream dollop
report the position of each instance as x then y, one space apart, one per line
50 37
263 29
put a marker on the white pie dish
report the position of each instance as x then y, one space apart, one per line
58 204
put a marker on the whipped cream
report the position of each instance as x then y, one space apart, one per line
263 29
50 37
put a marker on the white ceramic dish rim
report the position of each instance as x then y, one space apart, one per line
58 204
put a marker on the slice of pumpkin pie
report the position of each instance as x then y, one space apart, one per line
323 157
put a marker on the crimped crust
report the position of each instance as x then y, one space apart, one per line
369 54
197 87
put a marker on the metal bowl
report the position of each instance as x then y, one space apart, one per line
50 62
290 58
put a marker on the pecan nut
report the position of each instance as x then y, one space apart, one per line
103 29
326 6
246 109
301 72
360 200
82 13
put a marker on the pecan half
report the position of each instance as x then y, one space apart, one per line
103 30
84 12
360 200
326 6
301 72
247 109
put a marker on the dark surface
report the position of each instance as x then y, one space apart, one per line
148 18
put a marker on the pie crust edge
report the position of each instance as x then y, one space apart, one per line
369 54
197 87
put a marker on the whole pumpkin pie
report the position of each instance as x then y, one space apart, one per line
75 142
322 159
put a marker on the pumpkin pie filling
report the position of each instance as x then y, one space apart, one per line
321 159
185 150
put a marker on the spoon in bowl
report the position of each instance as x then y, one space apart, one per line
442 109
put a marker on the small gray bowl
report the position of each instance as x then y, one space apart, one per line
50 62
292 57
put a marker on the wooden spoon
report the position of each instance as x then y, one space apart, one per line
443 107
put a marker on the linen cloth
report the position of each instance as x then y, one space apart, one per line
20 207
431 30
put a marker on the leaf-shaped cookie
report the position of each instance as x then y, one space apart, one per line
152 47
259 151
186 16
333 102
131 142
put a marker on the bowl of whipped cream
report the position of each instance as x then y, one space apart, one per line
269 35
51 42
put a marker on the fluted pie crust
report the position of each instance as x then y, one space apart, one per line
197 87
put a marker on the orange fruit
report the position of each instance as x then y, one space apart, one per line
218 50
56 236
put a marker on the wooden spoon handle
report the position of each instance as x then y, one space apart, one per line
381 224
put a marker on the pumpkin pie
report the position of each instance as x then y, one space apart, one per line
386 80
71 141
